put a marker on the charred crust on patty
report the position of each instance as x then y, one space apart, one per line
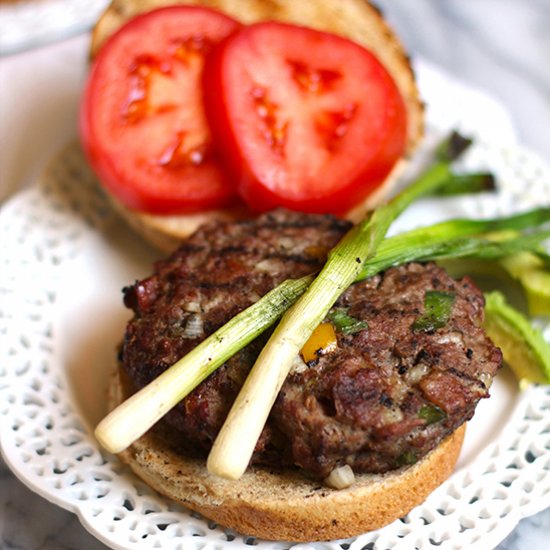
359 404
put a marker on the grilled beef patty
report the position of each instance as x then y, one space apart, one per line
411 363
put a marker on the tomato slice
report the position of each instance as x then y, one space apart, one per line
306 119
142 120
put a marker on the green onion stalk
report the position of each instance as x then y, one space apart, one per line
461 184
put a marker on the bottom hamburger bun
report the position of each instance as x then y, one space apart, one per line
285 505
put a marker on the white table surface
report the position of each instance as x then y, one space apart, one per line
500 46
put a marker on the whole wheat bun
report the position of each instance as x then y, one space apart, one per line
357 20
285 505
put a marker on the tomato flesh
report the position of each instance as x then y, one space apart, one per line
305 119
142 121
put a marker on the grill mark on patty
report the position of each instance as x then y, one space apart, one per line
278 224
231 286
274 255
466 376
190 248
295 258
241 249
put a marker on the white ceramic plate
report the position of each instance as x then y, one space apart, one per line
64 258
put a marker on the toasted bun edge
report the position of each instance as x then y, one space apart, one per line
276 505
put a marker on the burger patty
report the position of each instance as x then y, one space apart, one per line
410 364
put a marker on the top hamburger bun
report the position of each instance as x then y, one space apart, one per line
356 20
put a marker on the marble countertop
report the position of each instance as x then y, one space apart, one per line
500 46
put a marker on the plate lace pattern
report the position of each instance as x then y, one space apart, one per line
43 233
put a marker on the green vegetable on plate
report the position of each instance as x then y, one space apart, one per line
523 347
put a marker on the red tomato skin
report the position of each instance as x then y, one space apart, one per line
120 159
377 154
